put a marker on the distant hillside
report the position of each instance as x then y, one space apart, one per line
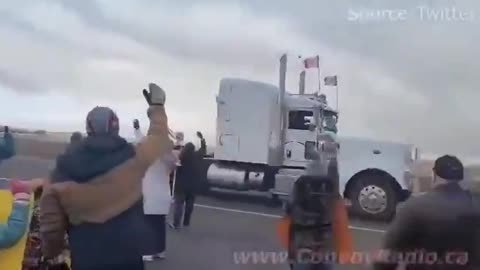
46 144
24 130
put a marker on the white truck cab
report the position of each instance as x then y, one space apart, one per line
264 138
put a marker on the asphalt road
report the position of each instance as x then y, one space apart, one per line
228 230
229 233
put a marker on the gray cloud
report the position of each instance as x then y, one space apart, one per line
412 80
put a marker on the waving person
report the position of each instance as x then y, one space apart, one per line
187 182
96 192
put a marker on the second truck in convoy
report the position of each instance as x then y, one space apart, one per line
264 138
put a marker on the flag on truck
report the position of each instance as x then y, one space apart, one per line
331 80
312 62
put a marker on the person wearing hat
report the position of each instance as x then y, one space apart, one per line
433 225
95 192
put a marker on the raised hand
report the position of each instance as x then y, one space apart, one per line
155 95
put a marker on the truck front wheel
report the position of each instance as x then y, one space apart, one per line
374 197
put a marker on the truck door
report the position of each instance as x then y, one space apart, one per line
299 137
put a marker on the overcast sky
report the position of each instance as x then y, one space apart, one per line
409 78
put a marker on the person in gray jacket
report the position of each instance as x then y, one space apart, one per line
436 230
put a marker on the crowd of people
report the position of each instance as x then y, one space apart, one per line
103 187
105 204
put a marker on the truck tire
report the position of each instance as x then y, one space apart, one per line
374 197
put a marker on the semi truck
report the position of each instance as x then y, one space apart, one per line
264 138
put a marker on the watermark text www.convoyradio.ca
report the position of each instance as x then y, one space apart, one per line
260 257
357 257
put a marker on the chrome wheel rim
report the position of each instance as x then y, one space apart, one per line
373 199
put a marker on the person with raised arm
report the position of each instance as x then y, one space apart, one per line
95 192
187 182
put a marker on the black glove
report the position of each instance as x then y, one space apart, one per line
199 135
155 95
136 124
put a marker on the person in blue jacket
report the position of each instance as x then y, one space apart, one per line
7 145
14 229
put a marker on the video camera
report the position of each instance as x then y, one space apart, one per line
311 208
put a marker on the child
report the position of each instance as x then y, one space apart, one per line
16 226
33 252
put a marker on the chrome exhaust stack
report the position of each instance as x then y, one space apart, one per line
301 83
281 101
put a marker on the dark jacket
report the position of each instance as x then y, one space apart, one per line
439 222
94 195
7 146
188 174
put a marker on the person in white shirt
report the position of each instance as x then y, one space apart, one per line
177 149
156 195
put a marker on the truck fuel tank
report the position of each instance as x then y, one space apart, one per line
225 176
